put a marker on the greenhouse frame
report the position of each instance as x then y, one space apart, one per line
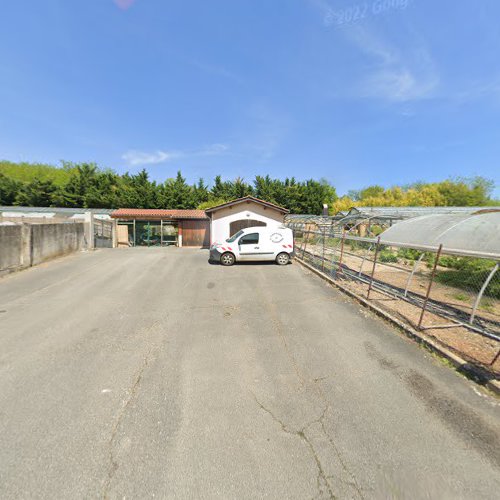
445 265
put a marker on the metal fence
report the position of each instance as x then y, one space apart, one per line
454 299
103 233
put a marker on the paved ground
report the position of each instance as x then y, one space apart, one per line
142 373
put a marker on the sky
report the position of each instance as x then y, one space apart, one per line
357 92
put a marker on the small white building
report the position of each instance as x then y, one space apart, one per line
228 218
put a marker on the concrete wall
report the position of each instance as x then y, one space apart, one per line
53 240
10 246
221 219
26 245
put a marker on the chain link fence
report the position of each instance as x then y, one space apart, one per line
454 299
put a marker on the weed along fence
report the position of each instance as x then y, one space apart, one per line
439 273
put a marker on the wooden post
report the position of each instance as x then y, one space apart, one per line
179 235
377 248
429 288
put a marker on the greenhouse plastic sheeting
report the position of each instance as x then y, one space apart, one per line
475 235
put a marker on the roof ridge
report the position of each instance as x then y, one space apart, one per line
248 198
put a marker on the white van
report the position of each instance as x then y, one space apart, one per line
257 244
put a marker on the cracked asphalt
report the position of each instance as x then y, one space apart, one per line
148 373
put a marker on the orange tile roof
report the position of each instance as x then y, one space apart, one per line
153 213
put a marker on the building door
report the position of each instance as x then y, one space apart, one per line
195 233
237 225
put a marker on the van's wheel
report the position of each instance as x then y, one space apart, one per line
227 259
282 259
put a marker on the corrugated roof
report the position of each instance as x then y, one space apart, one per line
56 210
153 213
248 199
477 234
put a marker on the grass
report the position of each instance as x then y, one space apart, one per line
461 296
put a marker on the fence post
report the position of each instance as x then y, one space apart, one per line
342 242
323 257
89 216
305 244
377 248
429 288
363 260
114 229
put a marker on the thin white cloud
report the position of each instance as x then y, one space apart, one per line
399 84
395 74
479 89
134 157
213 149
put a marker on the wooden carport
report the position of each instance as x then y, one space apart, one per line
192 226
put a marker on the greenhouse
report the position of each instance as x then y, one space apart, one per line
372 221
438 271
476 235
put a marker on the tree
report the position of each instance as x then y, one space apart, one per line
212 202
104 192
239 188
8 190
82 179
218 190
179 194
200 193
461 192
137 191
38 193
85 185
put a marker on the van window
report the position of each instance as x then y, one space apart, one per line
249 239
234 237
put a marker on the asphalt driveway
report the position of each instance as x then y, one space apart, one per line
141 373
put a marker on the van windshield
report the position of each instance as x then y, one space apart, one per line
234 237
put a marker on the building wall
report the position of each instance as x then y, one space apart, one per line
221 219
25 245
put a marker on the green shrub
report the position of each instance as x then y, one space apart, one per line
450 261
387 256
409 253
470 274
376 230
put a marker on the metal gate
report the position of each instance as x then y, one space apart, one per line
103 233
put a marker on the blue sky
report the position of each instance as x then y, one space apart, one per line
377 92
